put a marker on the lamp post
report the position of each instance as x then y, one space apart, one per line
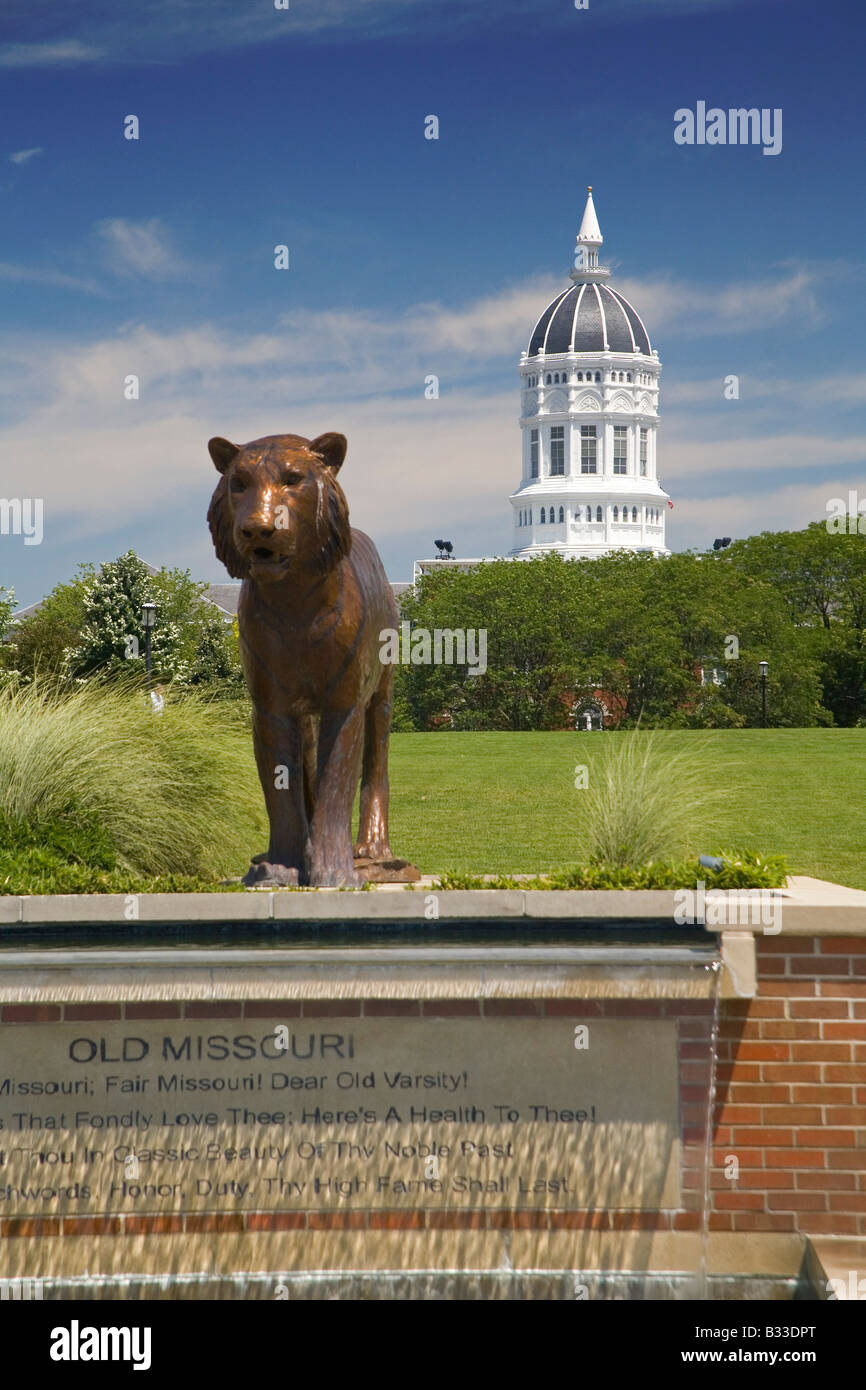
148 622
765 666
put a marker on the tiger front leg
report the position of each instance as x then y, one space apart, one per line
279 750
340 745
372 840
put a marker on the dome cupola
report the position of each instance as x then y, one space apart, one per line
589 421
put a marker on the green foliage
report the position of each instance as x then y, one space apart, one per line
204 647
150 794
402 721
638 801
820 576
41 642
742 869
627 629
112 622
7 604
90 627
191 643
76 856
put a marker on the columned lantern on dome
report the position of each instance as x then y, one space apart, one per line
589 388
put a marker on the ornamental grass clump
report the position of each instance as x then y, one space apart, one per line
169 793
639 800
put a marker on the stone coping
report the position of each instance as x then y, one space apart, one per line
809 907
840 1260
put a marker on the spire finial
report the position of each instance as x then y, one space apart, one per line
589 239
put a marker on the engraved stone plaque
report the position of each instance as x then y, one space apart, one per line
344 1113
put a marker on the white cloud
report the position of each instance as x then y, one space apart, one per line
696 522
738 460
43 275
24 156
847 388
48 55
167 31
141 248
102 462
743 306
497 326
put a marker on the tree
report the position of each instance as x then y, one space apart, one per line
7 605
42 641
821 577
531 667
112 637
628 629
191 643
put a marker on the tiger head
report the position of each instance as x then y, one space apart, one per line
278 507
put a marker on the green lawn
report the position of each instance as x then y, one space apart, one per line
506 803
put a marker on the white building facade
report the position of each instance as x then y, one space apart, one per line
589 422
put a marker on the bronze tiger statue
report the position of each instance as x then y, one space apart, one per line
313 603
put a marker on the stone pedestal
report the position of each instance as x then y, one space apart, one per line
498 1103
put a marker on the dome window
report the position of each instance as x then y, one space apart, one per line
549 381
588 449
616 513
542 516
557 451
598 513
589 513
634 513
561 514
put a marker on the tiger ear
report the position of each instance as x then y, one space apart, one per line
331 449
223 452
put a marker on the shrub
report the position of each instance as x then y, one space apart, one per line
638 801
741 869
175 793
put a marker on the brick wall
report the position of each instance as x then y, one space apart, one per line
791 1098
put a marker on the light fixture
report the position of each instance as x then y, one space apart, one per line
148 622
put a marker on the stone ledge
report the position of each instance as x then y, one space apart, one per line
842 1260
133 980
810 907
54 1257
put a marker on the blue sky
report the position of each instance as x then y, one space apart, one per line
411 257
